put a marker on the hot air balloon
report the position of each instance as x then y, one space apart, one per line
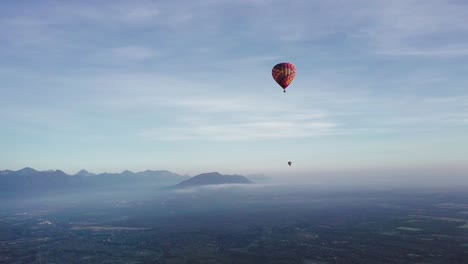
284 73
289 163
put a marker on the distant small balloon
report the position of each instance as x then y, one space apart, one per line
284 73
289 163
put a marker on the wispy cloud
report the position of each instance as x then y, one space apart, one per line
233 119
241 131
418 28
104 13
127 53
444 51
414 28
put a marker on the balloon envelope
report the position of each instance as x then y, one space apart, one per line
284 73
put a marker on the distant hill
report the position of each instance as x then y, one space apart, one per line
84 173
29 181
213 178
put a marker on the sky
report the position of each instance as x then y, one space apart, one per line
186 85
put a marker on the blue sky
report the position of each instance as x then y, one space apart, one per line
187 86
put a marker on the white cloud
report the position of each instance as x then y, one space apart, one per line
241 131
234 119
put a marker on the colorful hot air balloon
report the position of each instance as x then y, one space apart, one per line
284 74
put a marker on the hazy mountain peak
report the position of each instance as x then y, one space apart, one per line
84 172
60 172
27 170
214 173
211 178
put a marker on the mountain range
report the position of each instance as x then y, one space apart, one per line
29 182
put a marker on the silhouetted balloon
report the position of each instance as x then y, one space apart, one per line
284 73
289 163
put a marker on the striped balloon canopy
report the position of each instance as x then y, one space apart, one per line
284 73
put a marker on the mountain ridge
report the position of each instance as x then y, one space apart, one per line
213 178
28 181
